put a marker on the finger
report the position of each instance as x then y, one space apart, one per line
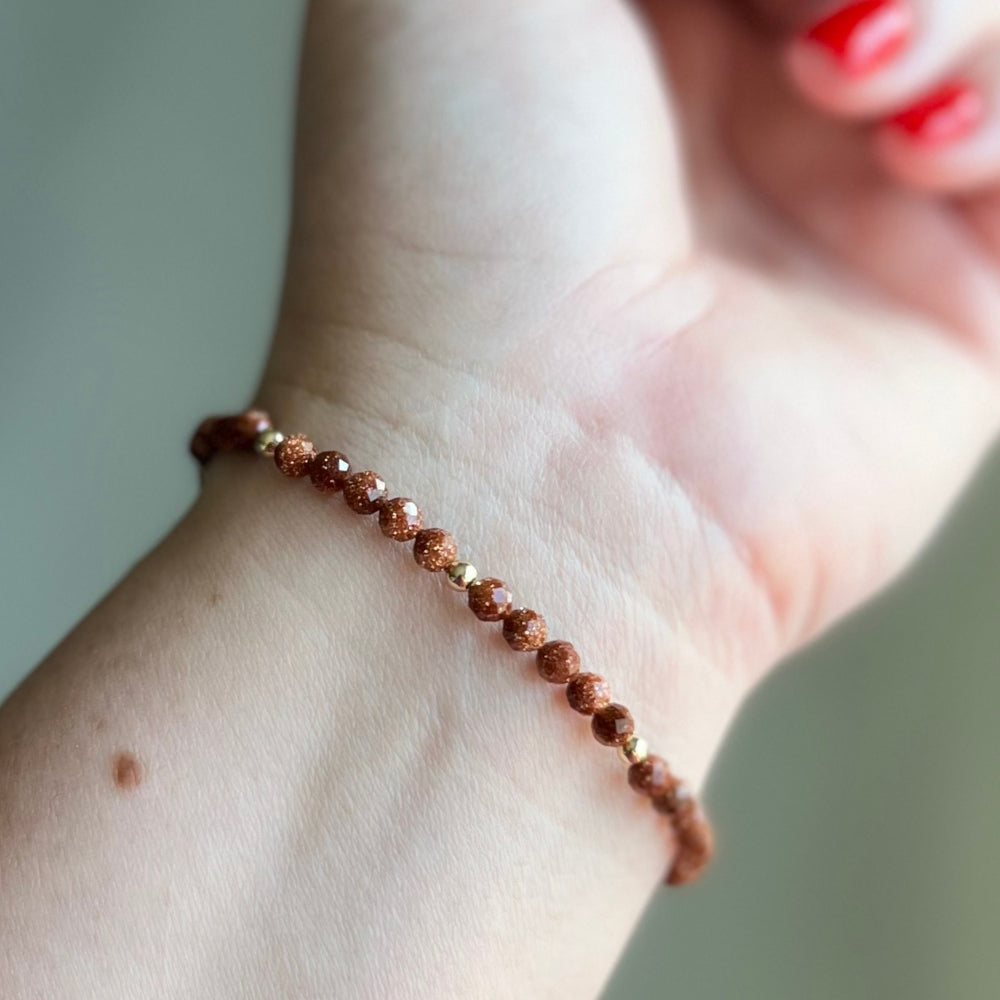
949 140
871 58
823 174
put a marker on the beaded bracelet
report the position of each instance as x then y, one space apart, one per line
436 550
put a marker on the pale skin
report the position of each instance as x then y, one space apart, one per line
693 383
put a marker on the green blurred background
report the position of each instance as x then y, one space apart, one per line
144 173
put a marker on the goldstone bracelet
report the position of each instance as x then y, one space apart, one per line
489 599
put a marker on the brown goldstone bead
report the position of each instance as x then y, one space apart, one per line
558 661
400 519
435 549
586 693
294 455
203 442
651 776
695 847
612 725
489 599
524 629
232 433
364 492
674 799
329 471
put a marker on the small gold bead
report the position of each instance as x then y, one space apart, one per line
634 751
266 441
462 575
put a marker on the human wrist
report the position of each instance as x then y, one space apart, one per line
441 762
576 517
473 475
304 704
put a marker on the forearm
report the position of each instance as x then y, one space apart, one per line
344 786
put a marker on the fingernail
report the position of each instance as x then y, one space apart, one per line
943 116
864 35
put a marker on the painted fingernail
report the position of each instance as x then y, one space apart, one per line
943 116
864 35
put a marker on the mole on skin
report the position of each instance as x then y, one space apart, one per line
126 772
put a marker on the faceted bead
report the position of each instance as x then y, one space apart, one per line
674 799
239 431
489 599
435 549
462 575
202 441
558 661
634 750
294 455
329 471
267 440
364 492
695 847
586 693
612 725
524 629
651 776
400 519
231 433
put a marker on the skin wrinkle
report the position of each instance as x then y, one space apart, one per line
373 418
662 274
664 629
597 561
334 330
747 556
409 245
742 549
321 395
388 430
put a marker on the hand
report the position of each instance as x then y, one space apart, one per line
720 400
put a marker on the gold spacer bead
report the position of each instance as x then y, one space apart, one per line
634 751
266 441
462 575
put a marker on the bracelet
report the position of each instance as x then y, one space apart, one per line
525 630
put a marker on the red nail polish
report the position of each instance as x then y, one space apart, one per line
864 35
944 116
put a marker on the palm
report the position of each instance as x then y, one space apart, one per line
799 345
